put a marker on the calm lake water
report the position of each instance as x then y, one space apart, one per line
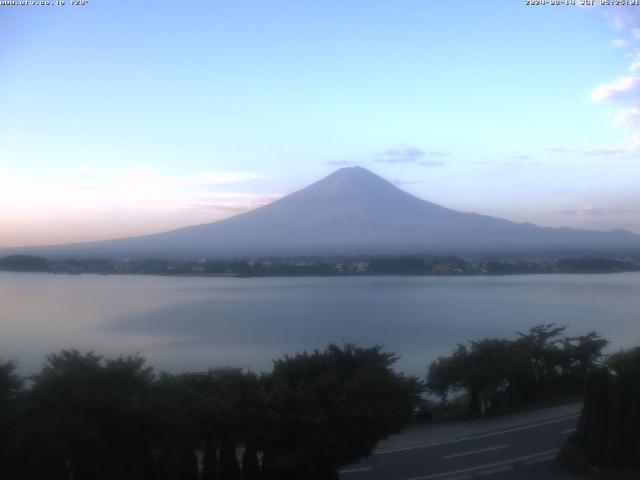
182 323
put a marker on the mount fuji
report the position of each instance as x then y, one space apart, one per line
351 211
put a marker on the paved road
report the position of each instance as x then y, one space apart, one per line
516 451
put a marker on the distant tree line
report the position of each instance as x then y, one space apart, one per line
24 263
319 266
83 416
538 365
608 435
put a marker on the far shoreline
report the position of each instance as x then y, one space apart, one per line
364 275
338 266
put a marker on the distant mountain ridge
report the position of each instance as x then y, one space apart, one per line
351 211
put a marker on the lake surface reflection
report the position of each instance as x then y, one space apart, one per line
189 323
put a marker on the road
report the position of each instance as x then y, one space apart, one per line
521 447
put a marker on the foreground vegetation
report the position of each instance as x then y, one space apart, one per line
87 417
83 416
494 374
607 441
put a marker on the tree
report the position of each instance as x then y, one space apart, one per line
580 355
214 411
24 263
329 408
481 370
626 365
609 429
250 463
88 416
538 364
10 389
446 373
541 346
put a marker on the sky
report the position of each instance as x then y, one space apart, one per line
121 118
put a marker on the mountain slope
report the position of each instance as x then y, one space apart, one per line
351 211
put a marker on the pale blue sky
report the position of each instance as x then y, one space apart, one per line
122 117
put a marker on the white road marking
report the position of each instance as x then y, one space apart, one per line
473 452
495 470
354 470
475 437
487 466
571 430
539 460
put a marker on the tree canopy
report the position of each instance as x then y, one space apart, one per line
537 364
84 416
608 433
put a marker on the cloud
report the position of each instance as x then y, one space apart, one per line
594 152
628 118
401 155
233 206
431 158
136 188
436 153
635 63
76 205
217 206
620 43
145 178
598 217
622 89
432 163
340 163
400 183
512 161
623 19
234 203
598 211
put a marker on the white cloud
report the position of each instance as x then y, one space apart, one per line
628 118
146 178
624 91
623 88
432 163
401 155
620 43
615 152
623 19
340 163
635 63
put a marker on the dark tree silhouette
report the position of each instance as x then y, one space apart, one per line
250 463
88 415
538 364
85 417
330 408
10 389
608 434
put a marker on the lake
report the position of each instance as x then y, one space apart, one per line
192 323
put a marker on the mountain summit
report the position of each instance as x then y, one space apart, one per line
351 181
351 211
